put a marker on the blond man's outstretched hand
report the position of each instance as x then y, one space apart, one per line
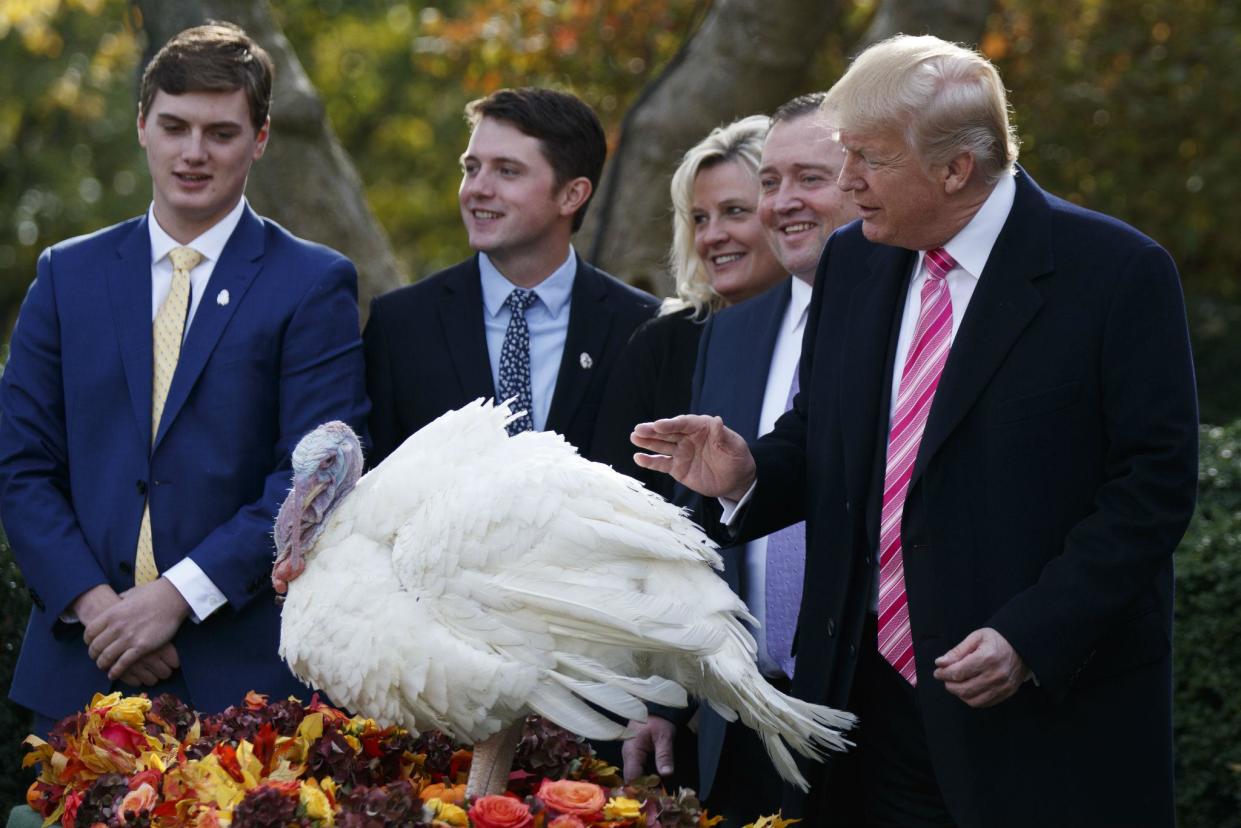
700 453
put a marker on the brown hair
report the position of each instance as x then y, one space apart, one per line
215 57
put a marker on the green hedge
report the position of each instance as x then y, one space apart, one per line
1207 649
1207 653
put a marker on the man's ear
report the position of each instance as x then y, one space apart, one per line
958 171
142 138
260 140
574 194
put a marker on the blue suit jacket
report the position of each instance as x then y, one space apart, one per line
76 456
730 380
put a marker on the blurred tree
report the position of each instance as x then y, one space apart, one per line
68 148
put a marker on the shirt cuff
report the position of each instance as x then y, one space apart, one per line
733 508
196 588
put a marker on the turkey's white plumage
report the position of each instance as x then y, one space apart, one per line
474 577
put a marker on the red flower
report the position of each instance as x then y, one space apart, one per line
566 821
500 812
125 737
150 776
580 799
72 802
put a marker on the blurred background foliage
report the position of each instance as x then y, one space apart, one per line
1126 106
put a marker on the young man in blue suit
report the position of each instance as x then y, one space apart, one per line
532 164
747 362
994 450
161 372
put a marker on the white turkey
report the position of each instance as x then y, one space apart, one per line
473 578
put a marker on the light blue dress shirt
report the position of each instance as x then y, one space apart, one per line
548 320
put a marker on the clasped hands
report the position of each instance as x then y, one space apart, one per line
706 456
129 636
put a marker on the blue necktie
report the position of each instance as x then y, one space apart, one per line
514 381
786 565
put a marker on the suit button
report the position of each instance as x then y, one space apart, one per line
141 486
831 627
866 560
126 567
848 506
852 651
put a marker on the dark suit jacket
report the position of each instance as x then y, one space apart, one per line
730 380
426 352
651 381
1056 475
77 462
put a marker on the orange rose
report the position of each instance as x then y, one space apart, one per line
566 821
142 798
453 794
580 799
500 812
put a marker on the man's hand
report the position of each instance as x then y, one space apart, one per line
700 452
983 670
655 735
153 667
144 620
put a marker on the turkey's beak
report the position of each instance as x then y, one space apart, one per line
291 562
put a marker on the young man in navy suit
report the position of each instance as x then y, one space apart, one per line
994 450
161 372
747 359
525 317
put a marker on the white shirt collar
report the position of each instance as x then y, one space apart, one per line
554 292
209 244
971 246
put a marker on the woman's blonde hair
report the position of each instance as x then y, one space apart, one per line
740 141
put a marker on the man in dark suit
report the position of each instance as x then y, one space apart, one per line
161 372
747 363
525 317
994 449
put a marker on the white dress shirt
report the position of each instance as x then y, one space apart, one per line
784 361
199 591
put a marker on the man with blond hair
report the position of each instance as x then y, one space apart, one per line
994 450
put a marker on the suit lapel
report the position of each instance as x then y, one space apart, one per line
239 262
1003 304
461 313
752 365
129 288
873 305
590 320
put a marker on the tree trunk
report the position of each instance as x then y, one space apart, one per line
305 181
748 56
961 21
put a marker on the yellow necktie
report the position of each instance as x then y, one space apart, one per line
167 333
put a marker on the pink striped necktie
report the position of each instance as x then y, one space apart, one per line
923 366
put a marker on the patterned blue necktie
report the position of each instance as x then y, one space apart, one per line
515 360
786 565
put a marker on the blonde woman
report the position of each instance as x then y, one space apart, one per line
719 257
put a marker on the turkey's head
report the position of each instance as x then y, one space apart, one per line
326 465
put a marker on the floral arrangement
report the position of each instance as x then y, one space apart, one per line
157 764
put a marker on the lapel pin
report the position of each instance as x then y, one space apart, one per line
586 360
221 298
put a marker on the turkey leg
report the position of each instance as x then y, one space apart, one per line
493 759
